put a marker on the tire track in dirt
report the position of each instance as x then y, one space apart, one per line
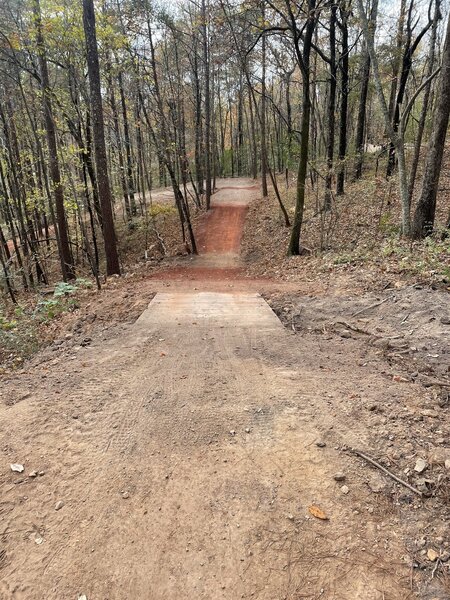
124 439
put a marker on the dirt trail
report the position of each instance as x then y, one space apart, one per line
185 455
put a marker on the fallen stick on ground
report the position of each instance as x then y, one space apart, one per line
353 327
358 312
397 479
436 566
436 382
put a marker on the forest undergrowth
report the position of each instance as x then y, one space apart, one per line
356 245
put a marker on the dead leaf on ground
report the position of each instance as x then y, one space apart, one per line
318 513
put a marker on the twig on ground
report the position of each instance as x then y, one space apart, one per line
293 325
397 479
292 320
437 382
354 328
438 562
358 312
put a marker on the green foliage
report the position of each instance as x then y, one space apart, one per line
227 157
64 289
387 226
62 300
18 337
428 258
161 210
358 256
7 324
343 259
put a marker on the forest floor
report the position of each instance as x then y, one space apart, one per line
187 448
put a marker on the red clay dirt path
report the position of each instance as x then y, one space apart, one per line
218 236
221 231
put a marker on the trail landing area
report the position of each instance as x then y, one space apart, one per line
201 453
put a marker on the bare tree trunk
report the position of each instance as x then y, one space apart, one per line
344 100
207 108
109 234
304 63
331 109
67 268
254 166
426 100
361 118
263 116
406 66
116 126
426 208
126 132
397 58
395 136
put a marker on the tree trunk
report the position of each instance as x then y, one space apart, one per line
425 211
304 63
397 58
116 127
207 108
263 116
127 140
344 101
331 109
426 100
67 268
109 234
406 66
361 118
395 136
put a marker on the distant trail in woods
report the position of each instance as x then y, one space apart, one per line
219 233
180 460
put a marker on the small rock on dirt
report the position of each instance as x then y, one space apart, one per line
125 495
400 379
439 456
339 476
320 444
432 554
445 320
429 412
376 484
32 474
420 465
16 467
345 489
59 505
